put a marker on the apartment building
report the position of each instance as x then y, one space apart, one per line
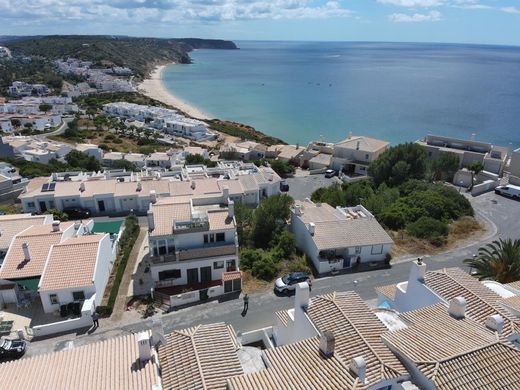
193 247
493 157
339 238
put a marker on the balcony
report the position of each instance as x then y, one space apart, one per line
225 249
193 226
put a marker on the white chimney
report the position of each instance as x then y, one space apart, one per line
231 209
151 222
225 193
55 226
139 186
26 251
145 349
457 308
359 367
312 228
301 298
82 186
417 271
327 343
495 323
157 332
153 196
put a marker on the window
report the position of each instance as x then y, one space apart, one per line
31 204
209 238
377 249
230 265
220 237
78 295
358 250
366 156
218 264
54 299
170 274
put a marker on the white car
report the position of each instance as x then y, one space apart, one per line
289 281
510 191
330 173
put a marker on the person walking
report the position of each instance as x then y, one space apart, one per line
95 319
246 303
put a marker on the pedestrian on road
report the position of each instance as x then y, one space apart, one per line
95 318
246 303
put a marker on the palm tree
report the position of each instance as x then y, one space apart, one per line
499 260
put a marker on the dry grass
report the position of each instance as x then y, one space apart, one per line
250 284
463 230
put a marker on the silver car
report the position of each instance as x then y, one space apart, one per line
289 281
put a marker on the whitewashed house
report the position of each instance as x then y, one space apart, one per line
91 150
340 238
354 154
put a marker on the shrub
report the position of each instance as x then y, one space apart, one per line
282 168
265 268
428 228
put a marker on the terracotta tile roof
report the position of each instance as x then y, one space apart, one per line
298 366
455 353
482 302
511 302
345 233
515 285
165 212
109 364
358 332
387 291
235 188
248 183
231 275
202 357
219 220
10 225
366 144
283 316
40 239
319 212
211 251
71 263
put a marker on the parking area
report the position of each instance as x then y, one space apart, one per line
301 187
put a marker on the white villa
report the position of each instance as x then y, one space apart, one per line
166 120
338 238
354 154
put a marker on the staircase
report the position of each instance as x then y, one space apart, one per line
162 301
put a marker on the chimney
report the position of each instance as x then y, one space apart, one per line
55 226
417 271
139 186
495 323
225 192
327 343
312 228
81 186
357 145
358 366
145 349
301 299
298 210
231 209
193 185
153 196
457 308
151 222
26 251
157 332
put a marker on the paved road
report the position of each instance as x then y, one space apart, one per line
62 128
303 187
503 220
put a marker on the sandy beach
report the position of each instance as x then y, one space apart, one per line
153 87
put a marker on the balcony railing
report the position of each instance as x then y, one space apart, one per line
197 253
195 225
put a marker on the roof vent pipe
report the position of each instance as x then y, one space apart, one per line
312 228
327 343
495 323
457 308
55 226
81 186
26 251
358 366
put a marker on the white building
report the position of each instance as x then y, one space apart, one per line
138 159
20 88
246 150
91 150
159 160
354 154
11 185
340 238
193 247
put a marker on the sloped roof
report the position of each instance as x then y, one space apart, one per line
344 233
366 144
10 225
165 212
203 357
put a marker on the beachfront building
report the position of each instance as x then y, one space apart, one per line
193 248
164 119
340 238
353 155
120 192
493 157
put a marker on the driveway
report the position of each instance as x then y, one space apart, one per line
301 187
502 217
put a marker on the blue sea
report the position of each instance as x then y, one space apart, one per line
399 92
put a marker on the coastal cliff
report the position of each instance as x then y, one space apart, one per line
117 50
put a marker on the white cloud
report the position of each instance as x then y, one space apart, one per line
510 10
433 16
413 3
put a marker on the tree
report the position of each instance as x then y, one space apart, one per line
124 164
194 159
58 215
77 159
282 168
499 260
398 164
476 166
244 220
269 218
444 166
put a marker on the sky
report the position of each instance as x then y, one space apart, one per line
451 21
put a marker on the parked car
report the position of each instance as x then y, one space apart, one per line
510 191
284 187
77 213
12 349
330 173
289 281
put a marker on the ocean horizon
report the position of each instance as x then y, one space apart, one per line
400 92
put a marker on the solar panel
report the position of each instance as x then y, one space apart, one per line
52 186
48 187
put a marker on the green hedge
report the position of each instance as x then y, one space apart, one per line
126 243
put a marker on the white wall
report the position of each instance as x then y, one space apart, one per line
105 261
64 297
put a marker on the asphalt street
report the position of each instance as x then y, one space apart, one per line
502 218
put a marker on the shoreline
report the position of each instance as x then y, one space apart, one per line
154 88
